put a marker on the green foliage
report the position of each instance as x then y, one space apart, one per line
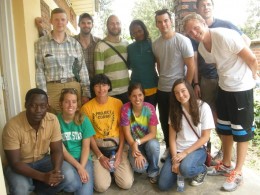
252 25
144 10
102 15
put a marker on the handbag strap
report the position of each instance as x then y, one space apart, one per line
190 124
192 128
119 54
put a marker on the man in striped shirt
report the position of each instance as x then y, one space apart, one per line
108 62
60 62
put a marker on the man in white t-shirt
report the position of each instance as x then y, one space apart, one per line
173 51
237 67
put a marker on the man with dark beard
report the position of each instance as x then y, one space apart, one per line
109 58
87 41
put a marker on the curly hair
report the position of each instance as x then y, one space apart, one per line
142 25
176 108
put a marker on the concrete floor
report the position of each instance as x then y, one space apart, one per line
211 186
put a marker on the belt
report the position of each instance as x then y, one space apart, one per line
64 80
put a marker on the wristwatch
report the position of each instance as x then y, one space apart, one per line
138 141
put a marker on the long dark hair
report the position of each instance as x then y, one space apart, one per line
176 108
78 117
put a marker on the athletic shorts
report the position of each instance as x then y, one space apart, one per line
235 111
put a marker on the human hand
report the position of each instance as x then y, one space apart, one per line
140 161
53 178
180 156
175 167
104 161
197 91
83 174
39 23
135 150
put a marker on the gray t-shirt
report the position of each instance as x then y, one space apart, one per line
171 54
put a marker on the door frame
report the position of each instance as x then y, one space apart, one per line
9 61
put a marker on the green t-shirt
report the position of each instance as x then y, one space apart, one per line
73 134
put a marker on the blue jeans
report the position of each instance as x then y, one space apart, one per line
151 151
21 185
87 188
190 167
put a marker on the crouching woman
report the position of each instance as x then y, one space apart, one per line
139 122
188 117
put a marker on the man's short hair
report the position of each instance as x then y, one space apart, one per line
100 79
193 16
161 12
85 15
58 11
34 91
198 1
111 16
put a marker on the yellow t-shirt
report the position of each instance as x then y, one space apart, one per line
105 118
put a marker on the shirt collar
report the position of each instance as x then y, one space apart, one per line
67 37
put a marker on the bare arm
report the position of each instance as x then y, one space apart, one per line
104 161
158 65
120 148
247 55
85 151
51 178
196 76
172 141
14 160
200 142
190 68
56 155
173 149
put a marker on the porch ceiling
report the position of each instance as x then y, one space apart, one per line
81 6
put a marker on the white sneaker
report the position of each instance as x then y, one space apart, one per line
165 155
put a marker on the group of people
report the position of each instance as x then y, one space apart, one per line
97 109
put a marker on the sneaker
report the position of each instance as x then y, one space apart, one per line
154 179
199 179
217 159
219 169
165 155
233 181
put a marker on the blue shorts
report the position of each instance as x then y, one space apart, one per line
235 111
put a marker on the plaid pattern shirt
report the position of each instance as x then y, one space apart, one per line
54 61
89 54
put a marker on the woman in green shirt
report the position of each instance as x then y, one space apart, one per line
76 130
141 61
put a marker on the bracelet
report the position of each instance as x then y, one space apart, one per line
138 141
100 156
194 84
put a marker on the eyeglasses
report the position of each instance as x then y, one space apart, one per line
69 90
